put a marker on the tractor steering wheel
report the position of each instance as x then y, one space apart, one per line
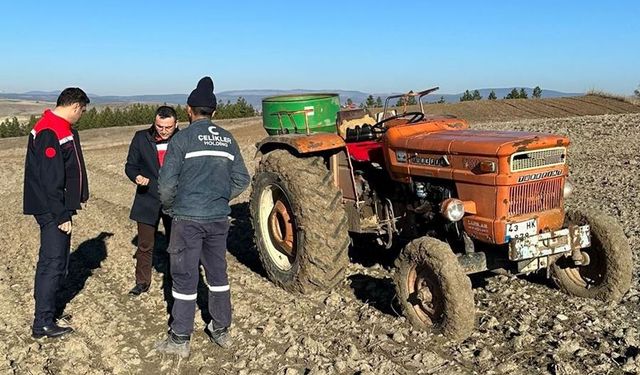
379 127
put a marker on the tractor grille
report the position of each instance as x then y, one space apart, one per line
521 161
535 196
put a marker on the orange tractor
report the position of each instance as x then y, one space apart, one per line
456 201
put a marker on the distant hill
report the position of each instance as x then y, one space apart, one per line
51 96
254 97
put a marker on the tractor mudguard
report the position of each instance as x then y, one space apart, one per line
301 143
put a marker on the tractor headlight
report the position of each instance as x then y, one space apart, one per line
401 156
452 209
568 189
487 166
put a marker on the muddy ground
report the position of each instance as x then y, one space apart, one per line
525 326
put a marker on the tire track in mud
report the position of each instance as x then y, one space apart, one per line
608 106
535 107
519 108
611 104
564 109
574 107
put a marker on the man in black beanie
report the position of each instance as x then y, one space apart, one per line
203 170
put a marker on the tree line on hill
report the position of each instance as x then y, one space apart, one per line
377 102
513 94
135 114
466 96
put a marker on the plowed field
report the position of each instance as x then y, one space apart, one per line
525 326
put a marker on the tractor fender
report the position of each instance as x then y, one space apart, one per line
300 143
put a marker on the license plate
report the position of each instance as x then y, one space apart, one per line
549 243
522 229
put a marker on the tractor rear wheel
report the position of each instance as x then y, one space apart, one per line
300 225
607 276
433 290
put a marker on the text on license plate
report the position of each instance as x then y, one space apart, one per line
522 229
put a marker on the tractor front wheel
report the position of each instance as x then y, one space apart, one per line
607 276
433 290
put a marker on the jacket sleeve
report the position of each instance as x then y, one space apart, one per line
132 167
239 174
169 173
52 173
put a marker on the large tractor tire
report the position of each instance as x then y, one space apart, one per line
607 276
433 290
299 222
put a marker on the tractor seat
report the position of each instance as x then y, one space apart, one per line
359 133
355 125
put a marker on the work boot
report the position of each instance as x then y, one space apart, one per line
139 289
51 331
220 336
174 344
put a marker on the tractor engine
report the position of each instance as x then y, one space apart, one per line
405 210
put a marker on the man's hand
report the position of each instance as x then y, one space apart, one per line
141 180
65 227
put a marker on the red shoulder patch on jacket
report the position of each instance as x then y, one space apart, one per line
50 152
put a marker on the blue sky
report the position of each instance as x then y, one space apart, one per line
161 47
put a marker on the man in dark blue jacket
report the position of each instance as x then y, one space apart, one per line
203 171
146 156
55 185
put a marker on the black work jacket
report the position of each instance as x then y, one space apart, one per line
55 177
143 160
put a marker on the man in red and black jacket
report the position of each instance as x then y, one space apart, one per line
55 184
146 156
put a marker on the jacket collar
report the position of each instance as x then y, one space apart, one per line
201 121
51 121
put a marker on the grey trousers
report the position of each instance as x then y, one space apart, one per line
193 243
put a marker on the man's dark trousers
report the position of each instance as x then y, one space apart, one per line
193 243
50 270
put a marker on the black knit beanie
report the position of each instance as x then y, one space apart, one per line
202 95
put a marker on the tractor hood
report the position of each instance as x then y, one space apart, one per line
472 142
